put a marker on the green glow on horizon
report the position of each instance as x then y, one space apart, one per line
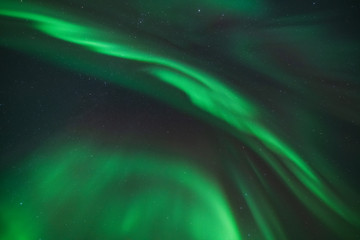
177 197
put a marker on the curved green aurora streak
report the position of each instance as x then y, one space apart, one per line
172 185
209 214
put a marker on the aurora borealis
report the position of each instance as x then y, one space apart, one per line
216 120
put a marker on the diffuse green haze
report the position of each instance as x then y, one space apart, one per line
116 194
207 93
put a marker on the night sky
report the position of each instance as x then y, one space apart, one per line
181 120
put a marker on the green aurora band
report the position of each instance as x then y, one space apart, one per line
169 185
196 208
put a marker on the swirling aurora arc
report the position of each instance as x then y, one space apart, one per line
95 187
